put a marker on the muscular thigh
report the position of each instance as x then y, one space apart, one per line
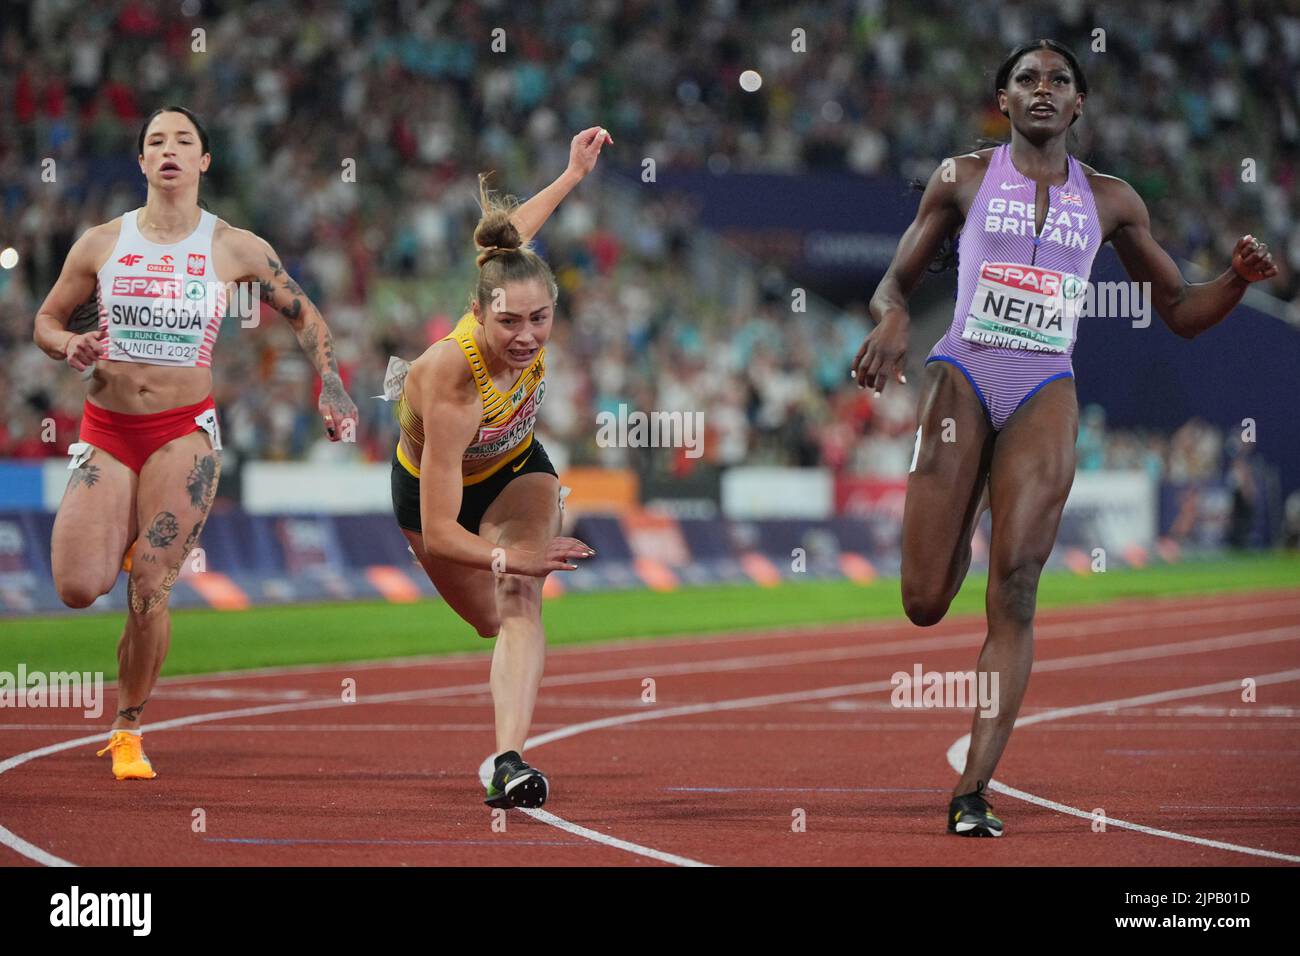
526 514
470 592
175 493
95 525
945 486
1030 477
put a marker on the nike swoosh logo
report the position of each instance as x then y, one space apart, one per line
524 462
1013 185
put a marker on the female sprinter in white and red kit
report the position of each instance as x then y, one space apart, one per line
146 463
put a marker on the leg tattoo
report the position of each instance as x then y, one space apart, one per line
133 713
85 475
164 529
165 525
203 477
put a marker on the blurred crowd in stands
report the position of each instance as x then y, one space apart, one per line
415 98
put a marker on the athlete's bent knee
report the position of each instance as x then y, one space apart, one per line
924 606
148 595
516 590
80 592
487 627
1015 592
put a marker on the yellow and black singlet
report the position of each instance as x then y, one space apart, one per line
508 417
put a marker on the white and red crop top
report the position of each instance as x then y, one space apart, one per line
161 303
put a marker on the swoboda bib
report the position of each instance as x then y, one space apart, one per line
161 304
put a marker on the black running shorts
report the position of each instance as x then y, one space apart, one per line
475 498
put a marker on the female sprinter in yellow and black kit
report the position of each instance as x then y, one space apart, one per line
473 489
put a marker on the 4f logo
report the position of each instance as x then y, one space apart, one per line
196 264
130 259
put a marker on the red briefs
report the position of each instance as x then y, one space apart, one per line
131 439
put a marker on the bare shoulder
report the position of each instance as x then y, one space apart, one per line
242 245
1118 203
441 374
963 168
970 166
955 181
95 245
1110 186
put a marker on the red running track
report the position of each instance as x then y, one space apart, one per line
1135 709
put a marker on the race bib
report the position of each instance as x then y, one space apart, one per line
158 320
1024 307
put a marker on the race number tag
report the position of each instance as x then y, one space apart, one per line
207 420
1024 307
79 453
394 378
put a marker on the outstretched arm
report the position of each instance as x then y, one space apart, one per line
583 153
279 290
1187 308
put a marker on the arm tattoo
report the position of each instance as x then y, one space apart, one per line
293 310
321 356
85 475
331 390
201 479
85 317
133 713
164 529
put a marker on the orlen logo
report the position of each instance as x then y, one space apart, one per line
130 259
146 288
162 265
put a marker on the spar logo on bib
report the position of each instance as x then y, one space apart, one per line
1024 278
1017 306
146 287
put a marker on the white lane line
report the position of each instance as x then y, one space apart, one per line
485 769
766 700
1087 622
12 840
31 851
957 759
